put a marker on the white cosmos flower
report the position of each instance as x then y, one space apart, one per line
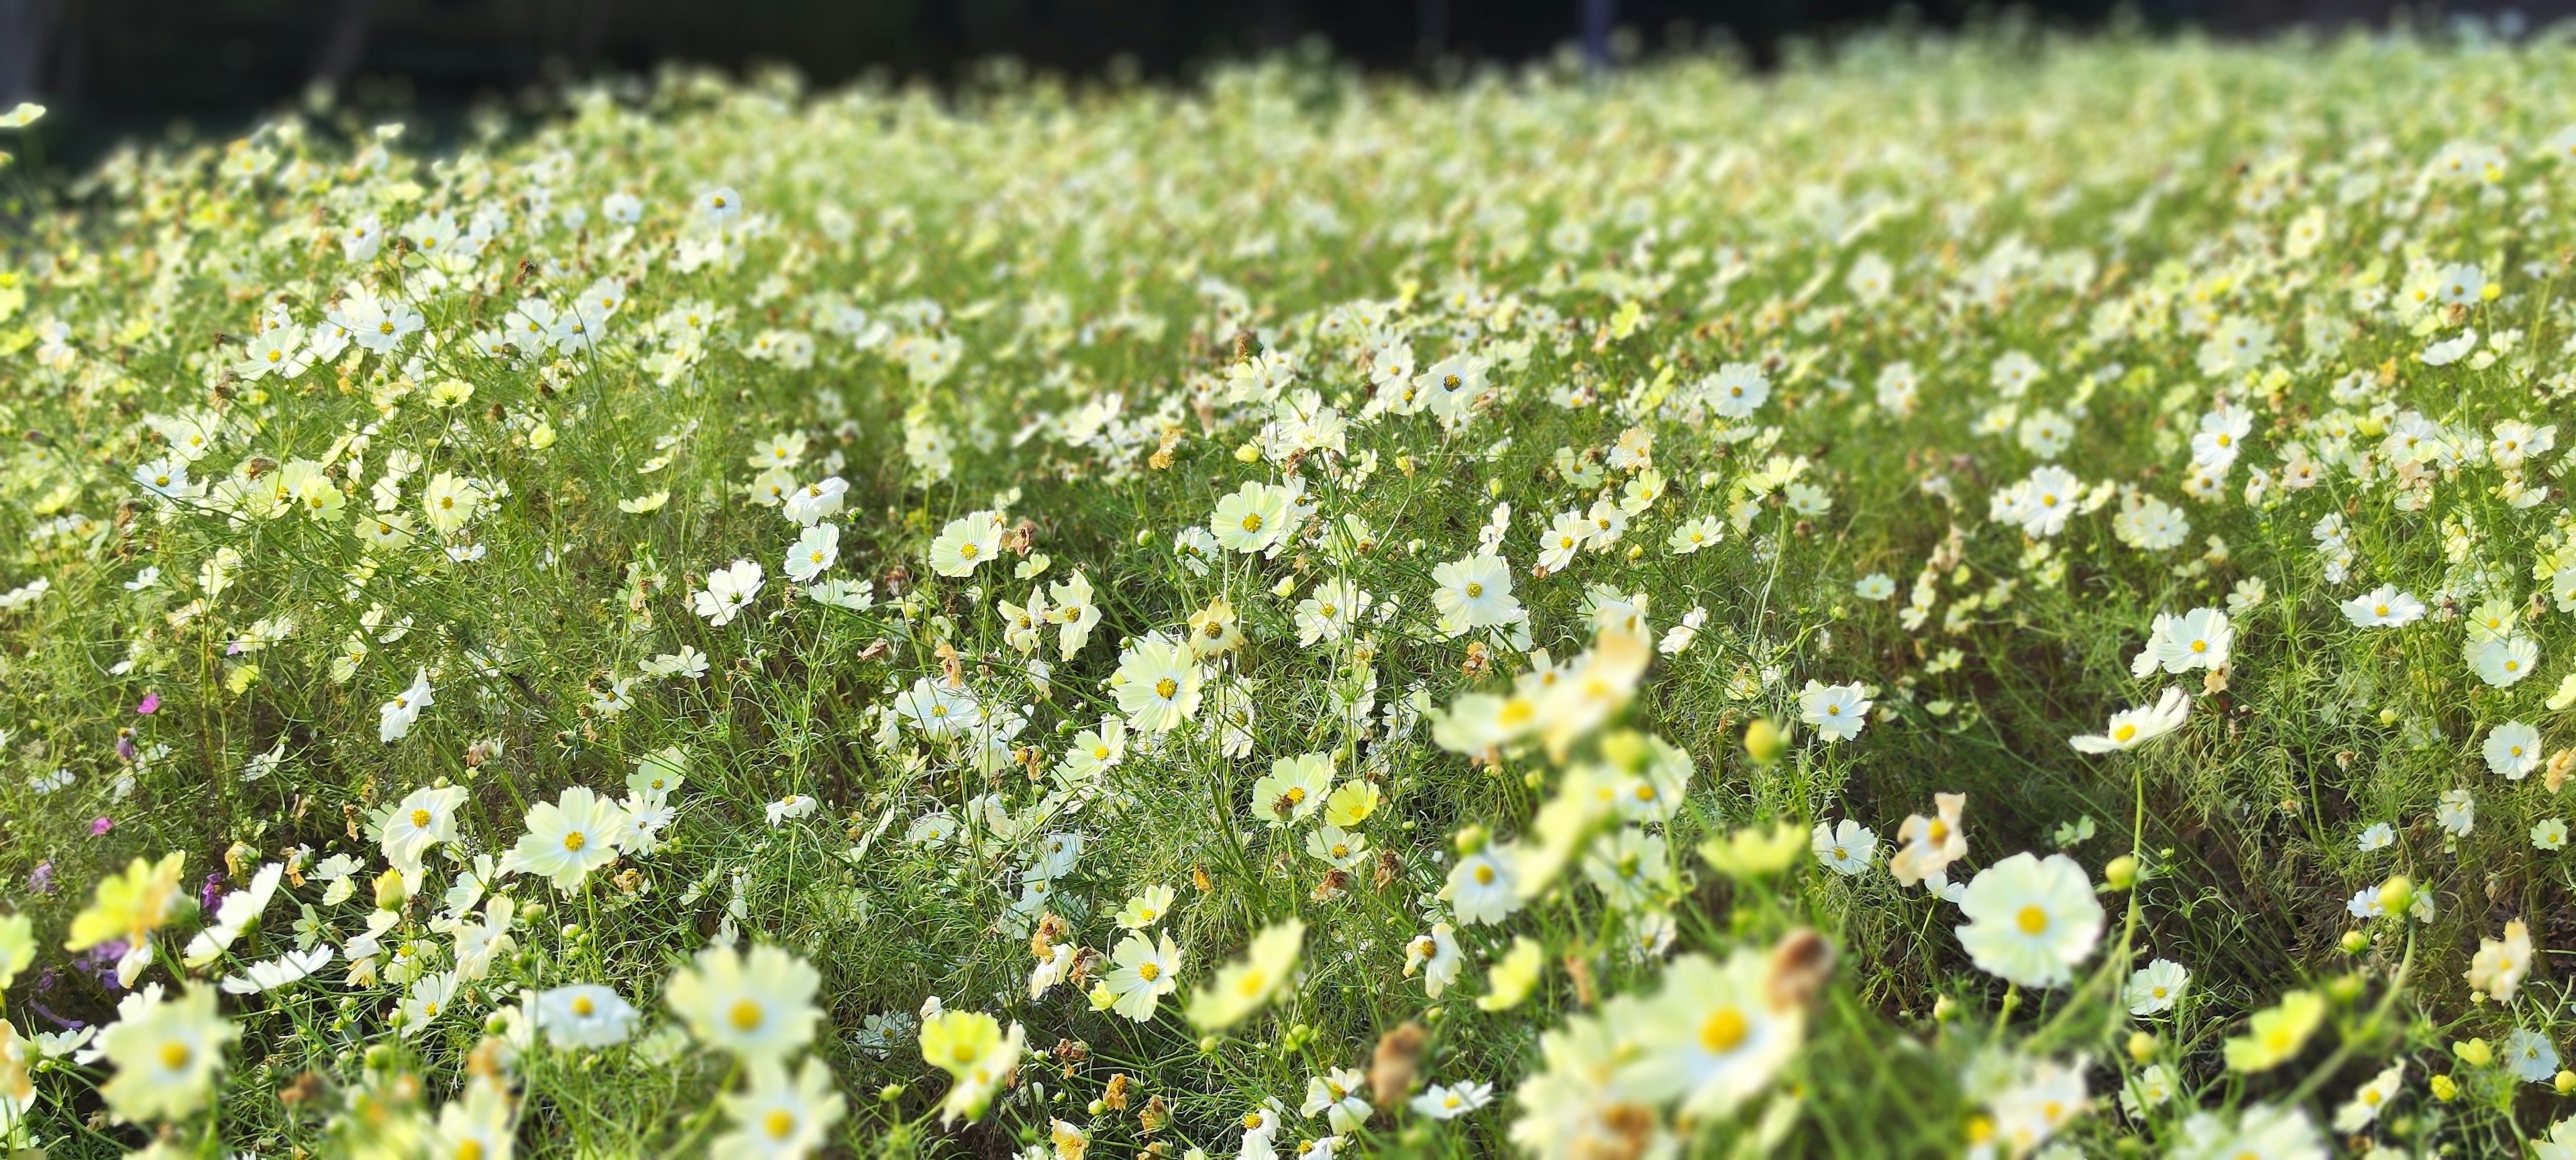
1838 712
815 550
2383 607
395 718
2030 921
2134 727
2154 987
1845 848
729 590
2513 749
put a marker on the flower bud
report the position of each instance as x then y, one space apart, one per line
391 893
2121 873
1763 741
2396 894
2355 942
2142 1046
1471 838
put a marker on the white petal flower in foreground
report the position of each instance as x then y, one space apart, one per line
2131 728
2030 921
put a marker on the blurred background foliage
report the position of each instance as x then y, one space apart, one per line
113 69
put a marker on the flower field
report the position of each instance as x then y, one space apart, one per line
1999 597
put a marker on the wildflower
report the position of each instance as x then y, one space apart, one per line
584 1015
815 550
758 1004
1146 908
2504 661
475 1124
166 1053
966 544
2134 727
2532 1056
429 997
2383 607
2031 921
2199 639
2269 1131
1845 848
776 1114
1435 955
1481 888
2548 834
128 907
2500 964
2513 749
568 838
2370 1099
1294 789
1695 533
1157 684
1252 519
1511 978
1246 985
2154 987
1838 712
1713 1036
397 716
1929 845
1335 1095
729 590
1142 972
2456 812
1450 1101
2276 1033
1472 593
2561 1143
423 819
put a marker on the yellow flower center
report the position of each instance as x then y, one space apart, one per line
2031 919
1723 1030
420 819
575 840
1474 589
1167 688
2123 731
746 1015
1149 970
582 1006
1254 982
469 1150
969 550
175 1055
778 1123
1252 522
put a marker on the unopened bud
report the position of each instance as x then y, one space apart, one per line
1763 741
2396 894
391 893
2355 942
2142 1046
2121 872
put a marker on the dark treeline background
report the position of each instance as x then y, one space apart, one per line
111 68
